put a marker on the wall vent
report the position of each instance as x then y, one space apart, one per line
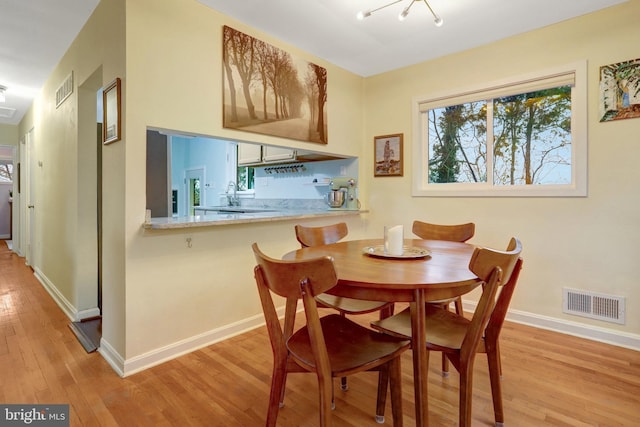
7 113
65 89
593 305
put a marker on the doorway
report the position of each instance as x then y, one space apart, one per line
7 178
88 274
194 180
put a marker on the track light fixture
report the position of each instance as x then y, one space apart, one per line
436 19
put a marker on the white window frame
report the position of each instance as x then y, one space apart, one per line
520 84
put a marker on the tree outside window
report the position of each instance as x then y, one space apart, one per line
6 171
531 140
520 137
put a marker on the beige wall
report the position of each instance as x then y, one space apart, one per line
174 81
8 135
65 252
583 243
162 298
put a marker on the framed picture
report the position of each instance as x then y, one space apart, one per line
388 155
111 112
620 91
297 111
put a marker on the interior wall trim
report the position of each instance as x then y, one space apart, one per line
155 357
582 330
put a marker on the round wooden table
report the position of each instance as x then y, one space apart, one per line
444 273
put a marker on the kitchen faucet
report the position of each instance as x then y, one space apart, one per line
232 200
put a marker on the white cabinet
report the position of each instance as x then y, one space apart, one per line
253 154
249 154
277 154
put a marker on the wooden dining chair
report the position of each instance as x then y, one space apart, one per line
452 233
459 338
316 236
324 235
331 346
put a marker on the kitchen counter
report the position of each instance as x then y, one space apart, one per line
214 217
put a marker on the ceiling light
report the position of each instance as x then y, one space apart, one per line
2 89
436 19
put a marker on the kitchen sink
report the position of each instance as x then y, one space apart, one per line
230 210
239 209
249 210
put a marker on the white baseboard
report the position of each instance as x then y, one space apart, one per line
112 357
72 313
161 355
60 299
590 332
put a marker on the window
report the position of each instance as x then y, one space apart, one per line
6 171
518 137
245 178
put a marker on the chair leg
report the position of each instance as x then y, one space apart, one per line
458 304
383 381
499 358
284 383
445 366
276 396
325 386
387 311
445 361
395 380
493 357
466 393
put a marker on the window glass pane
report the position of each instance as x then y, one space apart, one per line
245 178
194 189
6 172
457 148
532 138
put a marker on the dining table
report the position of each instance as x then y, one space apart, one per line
426 271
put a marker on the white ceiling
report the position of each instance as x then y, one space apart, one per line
36 33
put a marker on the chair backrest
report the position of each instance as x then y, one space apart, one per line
454 233
492 332
495 268
316 236
293 280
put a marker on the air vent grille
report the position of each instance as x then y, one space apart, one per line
594 305
7 113
65 89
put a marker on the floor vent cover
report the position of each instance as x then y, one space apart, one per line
593 305
65 89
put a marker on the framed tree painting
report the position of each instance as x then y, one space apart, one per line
269 91
388 155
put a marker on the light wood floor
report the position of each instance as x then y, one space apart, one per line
549 379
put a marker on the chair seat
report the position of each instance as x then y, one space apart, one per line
349 305
444 329
349 345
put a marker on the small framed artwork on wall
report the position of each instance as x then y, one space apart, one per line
111 112
388 155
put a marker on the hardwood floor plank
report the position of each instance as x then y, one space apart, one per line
550 379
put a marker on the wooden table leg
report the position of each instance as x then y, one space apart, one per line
420 360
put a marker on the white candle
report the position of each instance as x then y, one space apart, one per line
393 240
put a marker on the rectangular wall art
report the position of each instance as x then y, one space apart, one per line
388 152
269 91
620 91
